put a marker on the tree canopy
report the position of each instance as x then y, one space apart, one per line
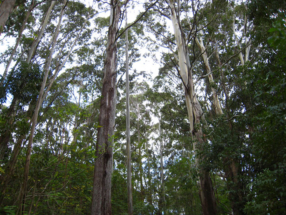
206 107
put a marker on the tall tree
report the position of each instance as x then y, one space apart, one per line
36 112
195 112
101 195
128 149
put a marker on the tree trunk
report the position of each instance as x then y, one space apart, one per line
128 150
216 102
43 27
142 193
6 8
195 115
162 206
101 195
35 115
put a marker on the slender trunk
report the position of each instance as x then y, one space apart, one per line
128 150
162 197
141 171
35 115
6 8
236 198
59 68
244 59
140 151
33 198
237 42
140 155
43 27
101 195
216 102
195 115
149 196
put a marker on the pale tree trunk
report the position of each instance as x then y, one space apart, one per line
6 8
41 32
101 194
35 115
244 59
140 152
162 197
195 115
204 54
149 190
128 149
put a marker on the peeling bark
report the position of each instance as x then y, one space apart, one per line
195 115
101 195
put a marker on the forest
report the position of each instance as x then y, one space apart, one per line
180 111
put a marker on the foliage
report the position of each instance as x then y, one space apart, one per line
244 148
23 83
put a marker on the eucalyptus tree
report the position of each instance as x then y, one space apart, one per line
68 161
223 57
101 195
55 64
213 33
6 84
43 94
210 23
172 10
143 150
179 193
129 179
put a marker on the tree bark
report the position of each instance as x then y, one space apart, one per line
128 149
101 195
195 115
6 8
142 193
162 206
216 102
43 27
